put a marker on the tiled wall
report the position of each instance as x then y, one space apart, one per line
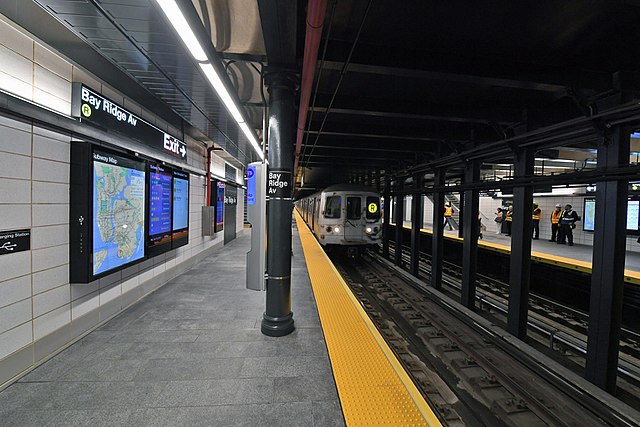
40 311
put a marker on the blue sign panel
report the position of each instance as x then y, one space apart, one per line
251 185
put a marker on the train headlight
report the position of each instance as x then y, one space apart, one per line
336 229
369 230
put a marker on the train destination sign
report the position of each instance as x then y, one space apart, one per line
279 184
15 241
90 106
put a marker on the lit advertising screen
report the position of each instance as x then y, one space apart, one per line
633 215
220 207
160 182
118 211
180 224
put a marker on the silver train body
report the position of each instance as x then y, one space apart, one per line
344 215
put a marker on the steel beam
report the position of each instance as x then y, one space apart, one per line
437 244
386 216
417 207
607 272
399 214
471 229
520 260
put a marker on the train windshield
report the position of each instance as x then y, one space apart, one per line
354 207
332 207
373 207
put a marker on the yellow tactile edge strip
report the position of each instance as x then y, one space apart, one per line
630 276
374 388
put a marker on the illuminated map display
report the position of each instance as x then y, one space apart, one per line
180 208
118 211
159 205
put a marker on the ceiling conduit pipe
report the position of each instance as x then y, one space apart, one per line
316 10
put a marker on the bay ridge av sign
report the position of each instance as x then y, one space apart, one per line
92 107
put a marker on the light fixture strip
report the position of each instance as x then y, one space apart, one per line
184 31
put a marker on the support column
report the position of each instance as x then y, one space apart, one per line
461 218
471 230
521 229
416 223
607 272
278 318
437 243
386 217
399 213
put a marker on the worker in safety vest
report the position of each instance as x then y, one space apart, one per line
536 220
508 219
568 220
448 213
555 222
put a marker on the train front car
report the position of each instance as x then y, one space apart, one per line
348 216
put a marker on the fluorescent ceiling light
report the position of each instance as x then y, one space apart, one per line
215 80
180 24
252 138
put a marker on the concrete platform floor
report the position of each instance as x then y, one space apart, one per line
189 354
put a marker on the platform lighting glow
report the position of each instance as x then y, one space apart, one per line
251 137
180 24
336 230
215 80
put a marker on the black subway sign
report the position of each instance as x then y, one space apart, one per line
279 184
15 241
92 107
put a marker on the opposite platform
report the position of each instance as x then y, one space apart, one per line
191 353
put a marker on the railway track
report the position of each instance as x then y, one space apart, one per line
463 375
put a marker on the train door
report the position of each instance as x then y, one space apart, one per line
353 226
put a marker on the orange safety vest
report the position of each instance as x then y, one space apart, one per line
536 213
555 216
448 211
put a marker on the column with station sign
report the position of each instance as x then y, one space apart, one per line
278 318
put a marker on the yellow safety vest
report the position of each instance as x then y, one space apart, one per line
555 216
509 216
536 213
448 211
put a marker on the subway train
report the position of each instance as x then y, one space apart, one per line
345 216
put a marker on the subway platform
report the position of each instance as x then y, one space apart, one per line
190 353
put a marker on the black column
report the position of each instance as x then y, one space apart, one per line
416 223
461 217
278 318
399 213
520 265
471 228
437 243
386 217
607 273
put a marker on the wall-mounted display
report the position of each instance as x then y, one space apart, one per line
180 208
633 215
219 203
160 194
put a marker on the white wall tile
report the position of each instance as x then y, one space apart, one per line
50 257
52 62
49 192
50 278
16 86
130 284
44 237
15 191
50 300
15 339
50 214
15 65
46 170
15 141
85 304
15 290
52 83
110 293
15 166
15 265
81 290
113 95
57 136
15 314
81 76
14 216
15 40
51 101
16 124
51 321
51 149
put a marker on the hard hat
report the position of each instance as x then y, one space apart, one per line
558 205
568 205
535 203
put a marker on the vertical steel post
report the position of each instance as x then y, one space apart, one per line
471 230
520 262
399 205
278 318
416 223
461 218
607 273
437 243
386 217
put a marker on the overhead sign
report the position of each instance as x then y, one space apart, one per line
15 241
92 107
279 184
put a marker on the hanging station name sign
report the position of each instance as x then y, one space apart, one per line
92 107
279 184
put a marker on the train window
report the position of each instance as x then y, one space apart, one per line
373 207
354 207
333 207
